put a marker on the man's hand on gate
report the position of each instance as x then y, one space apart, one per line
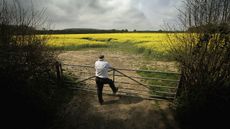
112 68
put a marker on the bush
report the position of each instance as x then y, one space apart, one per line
29 88
204 55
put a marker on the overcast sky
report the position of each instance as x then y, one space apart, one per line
108 14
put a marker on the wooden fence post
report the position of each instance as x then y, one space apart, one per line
180 85
60 65
58 71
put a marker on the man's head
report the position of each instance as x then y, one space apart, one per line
101 57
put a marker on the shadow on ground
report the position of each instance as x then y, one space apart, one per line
121 100
118 112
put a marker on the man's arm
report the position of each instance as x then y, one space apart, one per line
110 66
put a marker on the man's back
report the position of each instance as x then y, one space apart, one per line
102 67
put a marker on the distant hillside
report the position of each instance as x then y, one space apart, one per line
91 31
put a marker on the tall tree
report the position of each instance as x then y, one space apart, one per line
203 52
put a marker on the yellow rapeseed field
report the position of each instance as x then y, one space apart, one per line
72 40
153 41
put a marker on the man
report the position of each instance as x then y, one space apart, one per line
102 67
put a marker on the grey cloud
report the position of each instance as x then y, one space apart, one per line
164 2
107 14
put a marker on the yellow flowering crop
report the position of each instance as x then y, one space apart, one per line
153 41
72 40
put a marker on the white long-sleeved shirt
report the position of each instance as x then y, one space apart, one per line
102 68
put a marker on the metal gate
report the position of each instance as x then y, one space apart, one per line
147 84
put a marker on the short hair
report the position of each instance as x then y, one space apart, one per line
101 57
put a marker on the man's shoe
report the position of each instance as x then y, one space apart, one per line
115 90
101 102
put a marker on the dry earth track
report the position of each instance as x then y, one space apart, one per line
118 112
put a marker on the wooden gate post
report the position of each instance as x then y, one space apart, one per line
180 85
58 71
113 75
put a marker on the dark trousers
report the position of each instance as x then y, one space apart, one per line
100 83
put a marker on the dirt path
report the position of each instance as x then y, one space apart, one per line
116 58
118 112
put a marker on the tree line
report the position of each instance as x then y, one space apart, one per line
93 31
